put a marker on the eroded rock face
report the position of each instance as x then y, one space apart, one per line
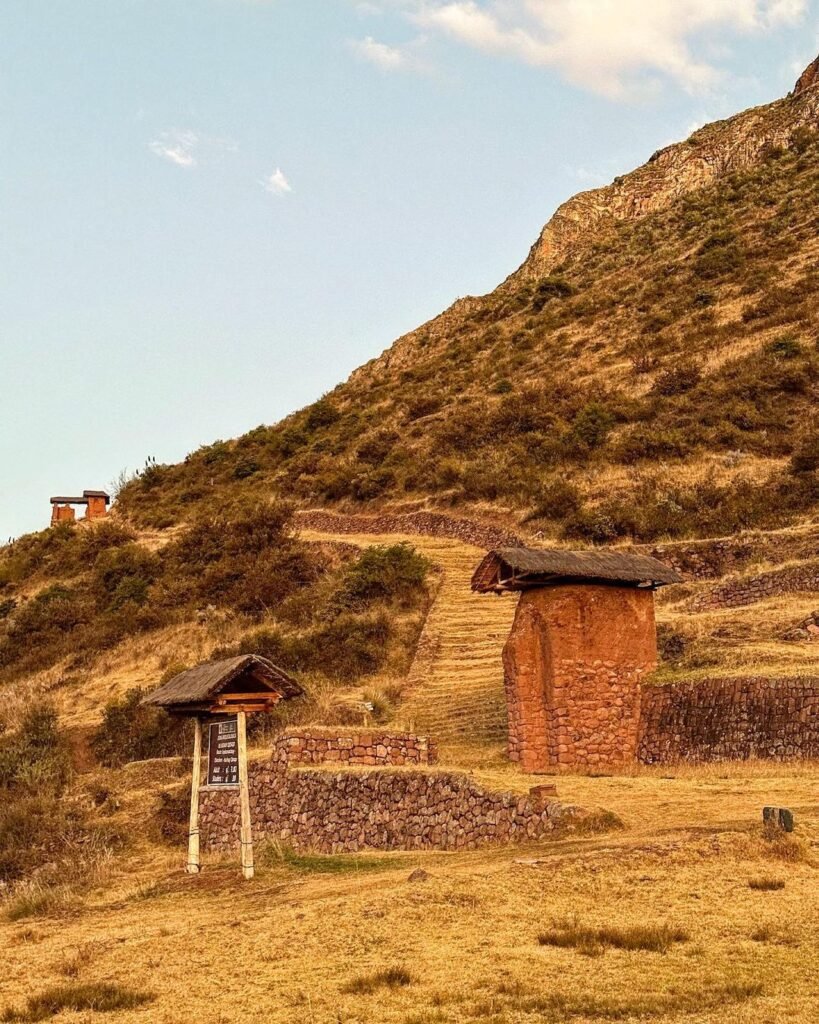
710 153
808 79
716 150
573 665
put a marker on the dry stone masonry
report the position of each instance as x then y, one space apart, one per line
429 524
572 670
357 746
730 719
383 809
748 590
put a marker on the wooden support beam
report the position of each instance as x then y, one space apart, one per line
193 866
245 835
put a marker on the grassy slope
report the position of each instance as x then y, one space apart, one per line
657 383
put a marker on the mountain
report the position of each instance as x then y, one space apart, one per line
651 369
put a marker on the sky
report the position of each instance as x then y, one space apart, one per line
211 211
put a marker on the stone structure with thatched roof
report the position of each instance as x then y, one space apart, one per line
583 638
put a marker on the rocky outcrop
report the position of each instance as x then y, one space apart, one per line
809 79
712 152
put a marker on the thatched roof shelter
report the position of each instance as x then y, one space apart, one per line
244 683
507 569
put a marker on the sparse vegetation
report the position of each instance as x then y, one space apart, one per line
766 884
390 977
98 997
592 941
131 731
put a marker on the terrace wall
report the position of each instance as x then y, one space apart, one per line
730 720
428 524
353 746
383 809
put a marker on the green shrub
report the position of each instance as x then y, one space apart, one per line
557 499
551 287
591 426
132 731
393 573
35 757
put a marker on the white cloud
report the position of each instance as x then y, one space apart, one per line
276 183
605 45
177 147
388 58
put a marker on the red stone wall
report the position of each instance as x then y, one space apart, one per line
96 508
62 514
572 668
355 746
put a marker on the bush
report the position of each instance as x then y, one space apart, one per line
557 499
35 757
131 731
393 573
805 458
38 631
677 379
346 647
551 287
123 575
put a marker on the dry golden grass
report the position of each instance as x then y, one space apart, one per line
299 943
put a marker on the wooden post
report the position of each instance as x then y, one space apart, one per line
193 867
246 835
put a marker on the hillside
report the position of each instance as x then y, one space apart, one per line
650 370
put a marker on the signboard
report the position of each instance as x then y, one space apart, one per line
223 752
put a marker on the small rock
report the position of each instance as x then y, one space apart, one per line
418 875
778 817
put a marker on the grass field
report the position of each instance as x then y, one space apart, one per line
351 939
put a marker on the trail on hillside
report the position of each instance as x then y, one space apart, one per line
455 684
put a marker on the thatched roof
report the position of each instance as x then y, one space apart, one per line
61 499
203 683
522 568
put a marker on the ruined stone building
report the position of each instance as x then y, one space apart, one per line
583 637
63 509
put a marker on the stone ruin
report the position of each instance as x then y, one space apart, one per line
63 509
583 637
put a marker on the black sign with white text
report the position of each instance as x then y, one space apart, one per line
223 753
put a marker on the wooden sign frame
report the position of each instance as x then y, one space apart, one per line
194 863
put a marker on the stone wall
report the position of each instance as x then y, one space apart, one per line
354 746
429 524
384 809
62 514
749 589
572 670
730 719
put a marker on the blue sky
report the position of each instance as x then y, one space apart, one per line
211 211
